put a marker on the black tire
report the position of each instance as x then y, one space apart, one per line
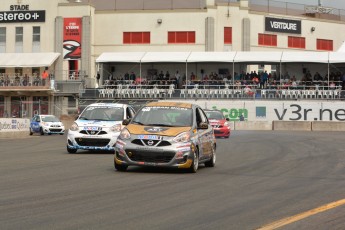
121 168
41 131
30 132
212 161
49 134
69 150
195 163
61 133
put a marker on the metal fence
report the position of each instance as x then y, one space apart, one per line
147 4
295 9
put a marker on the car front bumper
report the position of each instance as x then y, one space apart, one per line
177 155
76 140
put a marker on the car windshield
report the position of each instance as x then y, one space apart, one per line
164 116
214 115
102 113
50 119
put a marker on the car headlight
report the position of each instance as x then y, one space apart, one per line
125 134
74 127
226 124
44 124
182 137
115 128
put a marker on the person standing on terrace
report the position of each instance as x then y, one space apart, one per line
44 77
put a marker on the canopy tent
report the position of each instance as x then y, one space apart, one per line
305 57
120 57
258 57
337 57
211 57
165 57
8 60
342 48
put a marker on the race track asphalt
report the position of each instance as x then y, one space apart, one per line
260 177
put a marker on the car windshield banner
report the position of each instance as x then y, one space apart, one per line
283 25
72 38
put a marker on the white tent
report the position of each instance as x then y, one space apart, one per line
337 57
211 57
134 57
342 48
258 57
306 57
8 60
165 57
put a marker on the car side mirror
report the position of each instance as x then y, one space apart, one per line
227 119
203 125
126 121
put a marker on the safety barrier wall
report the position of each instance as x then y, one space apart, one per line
291 125
253 125
14 127
328 126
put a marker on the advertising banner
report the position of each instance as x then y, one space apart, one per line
277 110
283 25
72 38
14 125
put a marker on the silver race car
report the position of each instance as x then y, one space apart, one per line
166 134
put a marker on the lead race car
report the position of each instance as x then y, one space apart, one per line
98 127
166 134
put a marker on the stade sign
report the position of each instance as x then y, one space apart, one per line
21 13
283 25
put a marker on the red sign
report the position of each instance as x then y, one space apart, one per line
72 38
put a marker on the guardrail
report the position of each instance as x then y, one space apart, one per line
215 92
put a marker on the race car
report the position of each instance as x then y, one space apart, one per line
220 124
46 124
98 127
166 134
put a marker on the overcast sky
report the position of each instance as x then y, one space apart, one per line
339 4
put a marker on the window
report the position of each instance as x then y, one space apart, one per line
136 37
2 39
296 42
181 37
227 35
19 40
323 44
36 39
267 39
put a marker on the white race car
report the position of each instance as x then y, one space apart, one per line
98 127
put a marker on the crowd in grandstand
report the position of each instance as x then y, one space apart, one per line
263 80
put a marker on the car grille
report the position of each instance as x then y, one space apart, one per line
90 132
92 142
55 130
149 156
55 126
157 143
217 126
217 132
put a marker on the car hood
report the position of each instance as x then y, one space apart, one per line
53 123
97 123
164 131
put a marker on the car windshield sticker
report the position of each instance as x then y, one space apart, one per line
163 107
155 129
149 137
102 107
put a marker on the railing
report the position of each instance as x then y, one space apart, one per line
23 82
295 9
216 92
148 4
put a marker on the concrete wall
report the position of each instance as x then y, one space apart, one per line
253 125
328 126
292 125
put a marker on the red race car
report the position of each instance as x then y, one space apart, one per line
220 124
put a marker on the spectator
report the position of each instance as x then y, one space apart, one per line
241 117
192 76
132 76
45 77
